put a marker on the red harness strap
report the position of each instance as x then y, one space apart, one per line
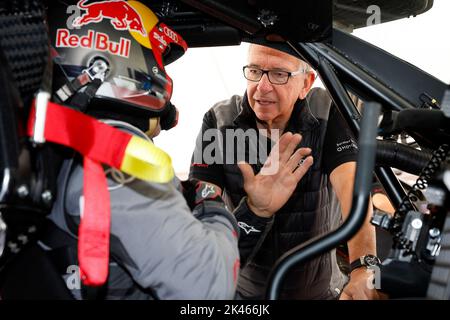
98 143
95 225
90 137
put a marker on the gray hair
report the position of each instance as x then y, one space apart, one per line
305 66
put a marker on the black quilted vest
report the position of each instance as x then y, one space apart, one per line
311 210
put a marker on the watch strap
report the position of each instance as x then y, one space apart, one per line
365 261
358 263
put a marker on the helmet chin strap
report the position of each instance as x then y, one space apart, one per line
91 79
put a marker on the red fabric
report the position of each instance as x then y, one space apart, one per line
88 136
98 143
94 229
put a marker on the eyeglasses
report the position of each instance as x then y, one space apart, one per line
275 76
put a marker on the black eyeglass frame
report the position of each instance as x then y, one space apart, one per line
263 72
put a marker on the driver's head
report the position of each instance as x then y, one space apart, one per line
127 40
272 95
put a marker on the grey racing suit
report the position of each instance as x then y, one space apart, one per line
159 248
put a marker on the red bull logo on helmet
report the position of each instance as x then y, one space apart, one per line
121 14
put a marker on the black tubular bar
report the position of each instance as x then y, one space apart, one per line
9 141
356 218
353 75
339 95
347 108
388 69
391 185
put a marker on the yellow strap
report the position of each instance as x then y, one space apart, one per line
145 161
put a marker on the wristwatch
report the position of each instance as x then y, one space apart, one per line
365 261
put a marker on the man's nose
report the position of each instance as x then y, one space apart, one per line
264 84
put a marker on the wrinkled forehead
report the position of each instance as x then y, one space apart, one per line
266 57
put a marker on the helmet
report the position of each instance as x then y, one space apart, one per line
117 47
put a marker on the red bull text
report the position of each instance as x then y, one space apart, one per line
93 40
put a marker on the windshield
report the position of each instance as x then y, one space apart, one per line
422 40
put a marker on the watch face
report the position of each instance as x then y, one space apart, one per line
371 260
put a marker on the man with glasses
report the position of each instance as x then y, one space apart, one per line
299 191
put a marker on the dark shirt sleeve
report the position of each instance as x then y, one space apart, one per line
206 164
254 230
340 146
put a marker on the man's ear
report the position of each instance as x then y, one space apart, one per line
310 77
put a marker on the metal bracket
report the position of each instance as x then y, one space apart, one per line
267 18
97 70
